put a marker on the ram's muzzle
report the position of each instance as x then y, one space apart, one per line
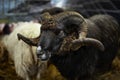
43 55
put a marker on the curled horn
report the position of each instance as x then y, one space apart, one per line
77 43
75 18
30 41
79 20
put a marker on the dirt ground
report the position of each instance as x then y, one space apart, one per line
7 72
114 73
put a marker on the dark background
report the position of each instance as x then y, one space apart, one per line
86 7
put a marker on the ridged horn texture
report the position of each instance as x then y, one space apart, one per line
77 43
79 20
47 22
72 17
66 14
30 41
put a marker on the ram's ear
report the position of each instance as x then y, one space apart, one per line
29 41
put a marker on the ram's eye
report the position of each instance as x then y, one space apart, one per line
61 34
57 40
57 31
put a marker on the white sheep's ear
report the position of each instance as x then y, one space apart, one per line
29 41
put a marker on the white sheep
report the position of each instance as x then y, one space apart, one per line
24 56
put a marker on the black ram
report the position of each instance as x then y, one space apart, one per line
78 47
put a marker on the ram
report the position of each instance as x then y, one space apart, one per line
77 46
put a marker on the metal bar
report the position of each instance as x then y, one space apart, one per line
113 11
8 5
85 11
101 8
2 6
113 5
16 14
15 4
88 3
96 6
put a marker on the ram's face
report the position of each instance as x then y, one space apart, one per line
50 41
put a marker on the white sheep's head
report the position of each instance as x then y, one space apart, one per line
62 32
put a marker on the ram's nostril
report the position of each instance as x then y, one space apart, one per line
39 50
43 55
